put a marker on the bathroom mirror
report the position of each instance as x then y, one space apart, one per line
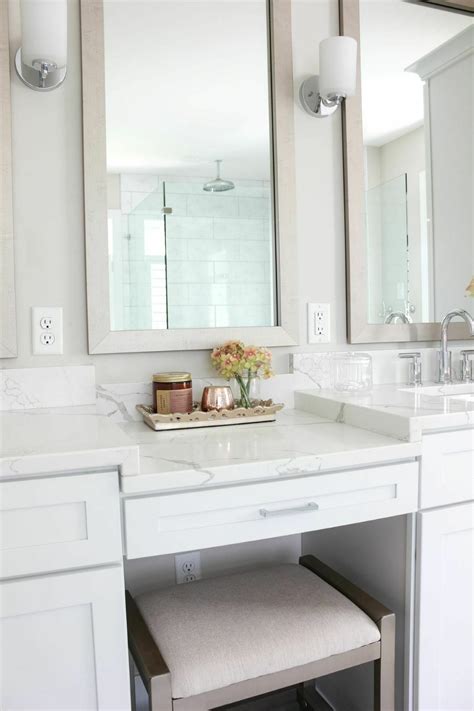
409 169
189 179
8 345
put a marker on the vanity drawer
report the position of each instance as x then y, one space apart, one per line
447 468
174 522
59 523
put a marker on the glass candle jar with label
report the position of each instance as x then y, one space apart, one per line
172 393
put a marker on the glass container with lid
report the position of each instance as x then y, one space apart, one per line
352 372
172 392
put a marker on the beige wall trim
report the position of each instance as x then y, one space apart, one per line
8 343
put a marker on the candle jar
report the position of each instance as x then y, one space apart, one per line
172 392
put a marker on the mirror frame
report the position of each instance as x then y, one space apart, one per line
101 338
8 341
358 329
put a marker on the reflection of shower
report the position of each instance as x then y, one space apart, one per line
218 185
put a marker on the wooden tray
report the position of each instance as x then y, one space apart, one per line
239 416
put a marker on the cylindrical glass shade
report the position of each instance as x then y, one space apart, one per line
337 66
44 31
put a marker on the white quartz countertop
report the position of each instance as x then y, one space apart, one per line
36 442
395 410
297 444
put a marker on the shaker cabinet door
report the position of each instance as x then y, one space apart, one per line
63 642
445 632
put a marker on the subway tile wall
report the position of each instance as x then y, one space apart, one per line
219 255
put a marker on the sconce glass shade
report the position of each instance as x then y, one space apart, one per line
44 31
41 61
337 67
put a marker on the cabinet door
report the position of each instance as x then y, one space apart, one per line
445 647
63 642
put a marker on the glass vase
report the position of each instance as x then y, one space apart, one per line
246 389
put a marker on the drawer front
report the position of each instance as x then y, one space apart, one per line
214 517
59 523
447 468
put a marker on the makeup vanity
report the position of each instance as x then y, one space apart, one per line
94 491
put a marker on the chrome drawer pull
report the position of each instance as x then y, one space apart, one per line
312 506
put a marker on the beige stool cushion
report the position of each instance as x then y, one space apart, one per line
220 631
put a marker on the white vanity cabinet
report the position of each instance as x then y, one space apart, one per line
63 639
444 619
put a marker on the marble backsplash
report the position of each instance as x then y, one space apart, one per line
72 386
34 388
387 367
119 401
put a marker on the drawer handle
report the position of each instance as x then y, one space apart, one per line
312 506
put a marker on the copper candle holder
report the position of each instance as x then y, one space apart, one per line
217 397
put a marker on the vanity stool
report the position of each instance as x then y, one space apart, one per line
230 638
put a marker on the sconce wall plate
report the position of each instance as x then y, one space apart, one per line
313 103
43 76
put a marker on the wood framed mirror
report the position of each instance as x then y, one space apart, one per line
8 342
174 262
409 176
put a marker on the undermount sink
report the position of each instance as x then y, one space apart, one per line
459 391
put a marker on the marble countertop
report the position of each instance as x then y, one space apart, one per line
298 443
394 410
35 442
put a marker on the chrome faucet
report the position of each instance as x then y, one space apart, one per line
445 374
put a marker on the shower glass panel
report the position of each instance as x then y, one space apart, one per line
180 257
137 264
388 254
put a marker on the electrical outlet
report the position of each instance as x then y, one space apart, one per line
47 330
319 323
188 567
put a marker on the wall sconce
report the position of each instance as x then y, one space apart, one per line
41 61
321 95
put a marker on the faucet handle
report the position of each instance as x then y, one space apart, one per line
467 372
414 367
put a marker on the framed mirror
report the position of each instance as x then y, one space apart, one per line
188 169
409 169
8 344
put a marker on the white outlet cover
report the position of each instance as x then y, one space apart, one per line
319 323
188 567
47 330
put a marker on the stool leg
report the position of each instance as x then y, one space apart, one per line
308 698
160 694
384 668
133 699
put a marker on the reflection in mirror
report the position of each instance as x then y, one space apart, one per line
417 84
190 242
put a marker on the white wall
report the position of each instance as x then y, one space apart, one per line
48 209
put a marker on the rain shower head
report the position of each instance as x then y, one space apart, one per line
218 185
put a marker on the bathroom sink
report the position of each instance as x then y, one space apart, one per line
460 391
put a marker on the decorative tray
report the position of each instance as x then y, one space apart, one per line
265 411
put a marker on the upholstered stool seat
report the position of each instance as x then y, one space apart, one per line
238 634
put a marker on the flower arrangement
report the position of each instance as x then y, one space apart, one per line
244 363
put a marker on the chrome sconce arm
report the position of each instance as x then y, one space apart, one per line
42 75
315 104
